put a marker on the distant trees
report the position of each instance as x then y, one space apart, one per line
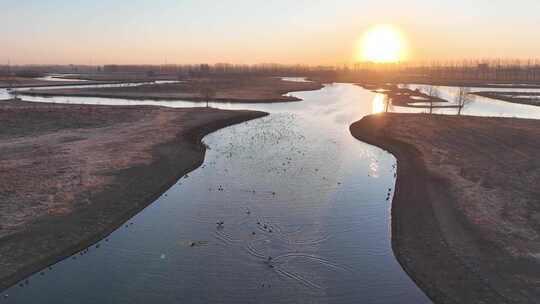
29 74
497 70
463 98
203 70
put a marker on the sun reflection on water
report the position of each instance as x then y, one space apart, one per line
378 103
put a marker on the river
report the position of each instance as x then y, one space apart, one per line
294 186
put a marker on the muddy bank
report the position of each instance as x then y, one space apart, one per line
18 82
222 89
478 84
405 97
526 98
466 209
383 78
71 174
120 77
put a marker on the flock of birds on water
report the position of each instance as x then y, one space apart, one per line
281 139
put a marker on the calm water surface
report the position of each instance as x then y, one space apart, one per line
480 106
294 186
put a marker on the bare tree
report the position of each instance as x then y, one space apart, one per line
15 94
386 103
463 98
433 93
207 90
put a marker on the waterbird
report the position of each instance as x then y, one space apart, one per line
269 262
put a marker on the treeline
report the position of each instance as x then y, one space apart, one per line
480 70
497 70
35 70
219 68
25 74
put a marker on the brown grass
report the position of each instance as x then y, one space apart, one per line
70 174
466 211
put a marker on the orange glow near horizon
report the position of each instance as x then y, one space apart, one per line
326 33
382 44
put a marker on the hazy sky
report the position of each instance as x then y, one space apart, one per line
254 31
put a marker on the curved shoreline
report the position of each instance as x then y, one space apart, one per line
163 98
48 84
447 256
112 207
501 97
228 90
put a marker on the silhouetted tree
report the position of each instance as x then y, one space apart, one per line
433 93
463 98
386 103
207 90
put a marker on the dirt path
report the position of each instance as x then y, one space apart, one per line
70 174
465 217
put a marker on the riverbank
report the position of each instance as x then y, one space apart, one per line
19 82
465 211
526 98
395 79
405 97
239 89
71 174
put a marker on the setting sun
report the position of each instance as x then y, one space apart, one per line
382 44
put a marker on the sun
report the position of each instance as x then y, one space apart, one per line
382 44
